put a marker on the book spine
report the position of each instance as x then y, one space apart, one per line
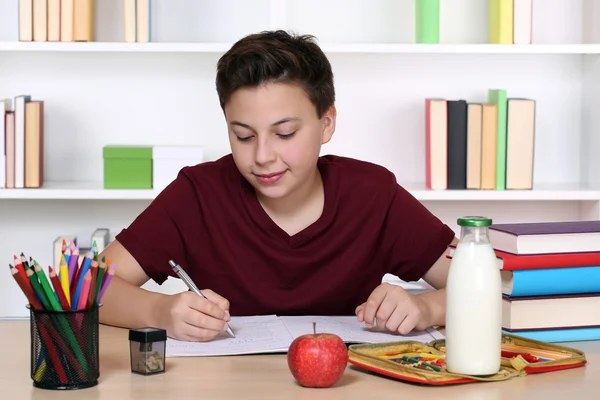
457 144
498 97
427 21
556 281
500 21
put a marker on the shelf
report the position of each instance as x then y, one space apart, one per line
540 193
94 191
77 191
330 48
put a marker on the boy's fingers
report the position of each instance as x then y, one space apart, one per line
372 304
206 306
216 298
360 313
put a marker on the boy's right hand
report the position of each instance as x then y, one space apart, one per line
190 317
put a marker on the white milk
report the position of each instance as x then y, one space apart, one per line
473 310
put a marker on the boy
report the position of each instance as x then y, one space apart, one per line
273 228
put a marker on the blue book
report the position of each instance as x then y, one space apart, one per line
560 335
551 281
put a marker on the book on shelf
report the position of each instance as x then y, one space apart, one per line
480 146
137 21
22 133
56 20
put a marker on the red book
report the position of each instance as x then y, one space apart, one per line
511 262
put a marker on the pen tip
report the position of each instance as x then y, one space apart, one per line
172 263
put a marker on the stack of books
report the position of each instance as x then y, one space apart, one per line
21 142
550 279
486 145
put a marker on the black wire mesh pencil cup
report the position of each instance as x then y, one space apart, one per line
64 348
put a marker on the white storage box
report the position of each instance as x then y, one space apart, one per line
167 161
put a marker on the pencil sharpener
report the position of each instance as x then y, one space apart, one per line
147 350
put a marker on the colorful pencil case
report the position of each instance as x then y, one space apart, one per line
424 363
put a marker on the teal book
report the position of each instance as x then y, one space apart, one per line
551 281
427 21
498 97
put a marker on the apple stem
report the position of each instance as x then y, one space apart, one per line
315 327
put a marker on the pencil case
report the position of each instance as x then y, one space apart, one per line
418 362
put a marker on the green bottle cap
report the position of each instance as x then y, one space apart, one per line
474 221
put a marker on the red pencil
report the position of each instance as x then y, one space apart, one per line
92 294
60 293
62 376
19 266
27 290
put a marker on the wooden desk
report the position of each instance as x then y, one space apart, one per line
265 377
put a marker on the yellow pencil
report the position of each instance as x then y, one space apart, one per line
64 278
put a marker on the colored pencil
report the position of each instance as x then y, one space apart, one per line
108 277
78 281
58 289
99 280
54 357
25 287
91 293
52 298
64 279
85 288
73 263
19 266
37 289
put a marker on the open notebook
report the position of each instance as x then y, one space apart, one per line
272 334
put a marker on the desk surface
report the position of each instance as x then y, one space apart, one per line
265 376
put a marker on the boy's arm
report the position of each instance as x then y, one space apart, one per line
391 307
185 316
125 303
436 300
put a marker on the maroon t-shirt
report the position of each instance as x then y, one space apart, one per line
210 222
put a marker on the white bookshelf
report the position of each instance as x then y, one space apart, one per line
163 93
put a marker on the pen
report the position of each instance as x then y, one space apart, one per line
190 284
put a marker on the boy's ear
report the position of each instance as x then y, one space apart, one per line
328 124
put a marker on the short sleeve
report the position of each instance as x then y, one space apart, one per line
158 234
414 236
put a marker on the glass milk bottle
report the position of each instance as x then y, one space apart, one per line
473 302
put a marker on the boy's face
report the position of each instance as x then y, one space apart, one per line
276 137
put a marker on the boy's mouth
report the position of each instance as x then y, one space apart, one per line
269 179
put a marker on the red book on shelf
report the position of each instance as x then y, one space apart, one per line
511 262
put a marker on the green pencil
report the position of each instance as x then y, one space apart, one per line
35 283
46 287
99 278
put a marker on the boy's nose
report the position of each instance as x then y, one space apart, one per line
264 153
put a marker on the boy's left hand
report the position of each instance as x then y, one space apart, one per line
393 308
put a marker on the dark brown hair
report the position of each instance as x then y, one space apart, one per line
273 57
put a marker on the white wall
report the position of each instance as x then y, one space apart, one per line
93 99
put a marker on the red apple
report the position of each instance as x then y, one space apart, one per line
317 359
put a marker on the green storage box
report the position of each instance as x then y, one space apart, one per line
127 167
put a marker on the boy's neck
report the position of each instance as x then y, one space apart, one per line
298 200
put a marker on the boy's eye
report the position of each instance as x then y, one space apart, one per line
244 138
286 135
